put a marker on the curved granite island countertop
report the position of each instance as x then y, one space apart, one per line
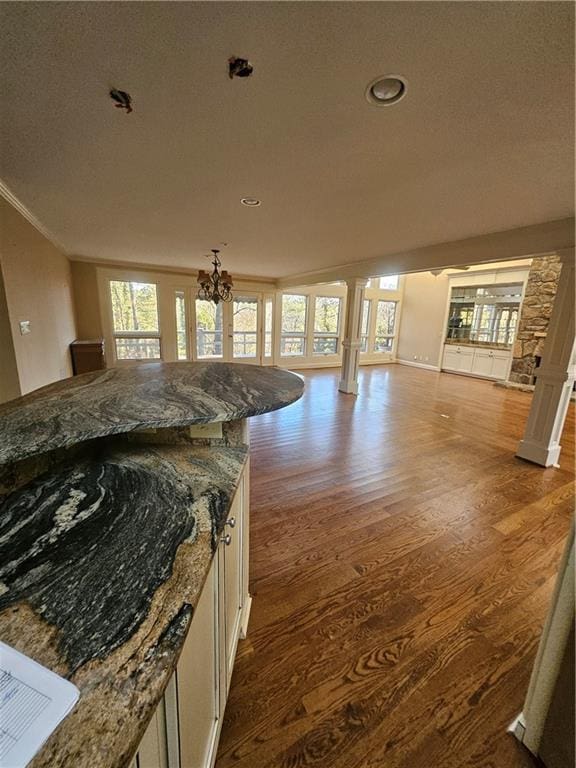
104 548
145 396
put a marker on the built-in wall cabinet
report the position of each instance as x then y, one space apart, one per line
148 317
481 322
477 361
185 728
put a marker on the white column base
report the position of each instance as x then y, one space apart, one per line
348 387
539 454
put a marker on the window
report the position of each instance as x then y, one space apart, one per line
386 283
208 329
385 322
135 320
268 313
389 283
506 325
326 325
181 333
245 325
293 336
365 325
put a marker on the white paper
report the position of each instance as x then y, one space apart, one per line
33 700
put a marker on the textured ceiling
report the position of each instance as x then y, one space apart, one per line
483 140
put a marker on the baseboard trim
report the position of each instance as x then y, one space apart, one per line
412 364
245 618
518 728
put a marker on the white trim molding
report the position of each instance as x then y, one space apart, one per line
528 727
554 377
351 343
412 364
16 203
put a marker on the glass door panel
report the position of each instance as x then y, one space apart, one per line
209 330
245 329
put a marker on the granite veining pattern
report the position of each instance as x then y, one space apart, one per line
107 533
146 396
87 546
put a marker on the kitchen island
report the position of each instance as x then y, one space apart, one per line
114 501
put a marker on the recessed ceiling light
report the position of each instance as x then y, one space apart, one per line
386 90
251 202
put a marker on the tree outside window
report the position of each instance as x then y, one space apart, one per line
135 320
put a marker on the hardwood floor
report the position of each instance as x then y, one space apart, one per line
402 564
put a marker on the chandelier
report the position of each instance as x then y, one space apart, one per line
217 286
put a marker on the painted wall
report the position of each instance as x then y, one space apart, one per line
9 380
86 301
38 288
422 321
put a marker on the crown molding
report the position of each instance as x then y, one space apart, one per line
11 198
166 269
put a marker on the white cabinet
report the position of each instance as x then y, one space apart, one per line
478 361
482 362
197 681
185 729
457 358
501 364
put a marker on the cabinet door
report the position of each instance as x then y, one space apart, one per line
197 681
466 359
501 361
232 564
451 359
153 749
482 362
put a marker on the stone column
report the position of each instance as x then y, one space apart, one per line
554 377
535 313
351 342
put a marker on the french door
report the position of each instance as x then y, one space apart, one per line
229 332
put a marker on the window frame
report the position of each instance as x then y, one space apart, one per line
324 334
296 334
385 336
187 334
116 335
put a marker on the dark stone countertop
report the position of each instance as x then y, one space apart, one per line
102 560
144 396
107 533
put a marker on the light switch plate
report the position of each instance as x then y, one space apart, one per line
24 327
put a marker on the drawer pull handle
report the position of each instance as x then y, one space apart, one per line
231 522
227 539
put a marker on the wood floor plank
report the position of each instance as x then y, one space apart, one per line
402 564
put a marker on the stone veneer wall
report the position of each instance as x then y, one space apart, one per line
534 317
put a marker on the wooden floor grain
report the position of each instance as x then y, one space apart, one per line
402 562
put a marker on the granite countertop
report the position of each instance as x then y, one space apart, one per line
471 343
145 396
105 545
102 561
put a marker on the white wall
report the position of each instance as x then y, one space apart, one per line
422 320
